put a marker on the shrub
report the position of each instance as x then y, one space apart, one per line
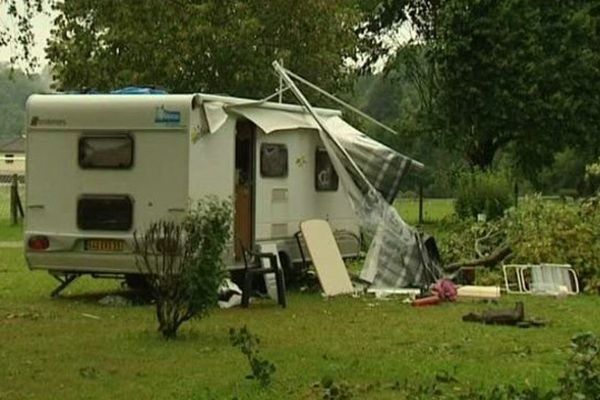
484 192
182 263
260 370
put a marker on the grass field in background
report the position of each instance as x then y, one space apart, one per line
433 210
73 348
8 232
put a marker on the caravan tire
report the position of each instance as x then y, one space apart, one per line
136 282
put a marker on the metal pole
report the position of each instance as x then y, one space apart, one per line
300 96
421 203
281 84
348 106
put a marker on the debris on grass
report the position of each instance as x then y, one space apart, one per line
115 300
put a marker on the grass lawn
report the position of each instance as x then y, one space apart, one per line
433 210
52 349
10 233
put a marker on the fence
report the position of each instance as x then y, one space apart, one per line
12 192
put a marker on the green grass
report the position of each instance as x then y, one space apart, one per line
9 232
433 210
50 349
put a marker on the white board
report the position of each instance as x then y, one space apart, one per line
326 257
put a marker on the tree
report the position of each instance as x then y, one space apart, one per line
15 87
498 73
209 45
16 32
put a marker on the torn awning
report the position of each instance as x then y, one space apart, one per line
382 166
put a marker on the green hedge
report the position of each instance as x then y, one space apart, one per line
483 192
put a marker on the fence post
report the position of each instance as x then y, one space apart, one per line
516 194
16 208
420 203
13 199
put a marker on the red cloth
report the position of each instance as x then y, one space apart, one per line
445 289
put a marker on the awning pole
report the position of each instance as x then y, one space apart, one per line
350 107
258 102
300 96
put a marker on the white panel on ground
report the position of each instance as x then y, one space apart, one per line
326 257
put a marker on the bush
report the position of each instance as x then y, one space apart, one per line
182 263
484 192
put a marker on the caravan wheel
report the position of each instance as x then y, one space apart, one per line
136 282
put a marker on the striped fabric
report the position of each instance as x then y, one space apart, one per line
382 166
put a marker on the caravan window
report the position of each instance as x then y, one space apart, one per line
104 212
326 179
106 151
273 160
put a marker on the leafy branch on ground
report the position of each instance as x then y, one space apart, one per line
537 231
261 369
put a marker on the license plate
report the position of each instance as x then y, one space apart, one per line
108 245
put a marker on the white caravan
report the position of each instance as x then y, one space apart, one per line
100 167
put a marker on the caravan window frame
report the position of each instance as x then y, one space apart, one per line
95 136
335 182
264 172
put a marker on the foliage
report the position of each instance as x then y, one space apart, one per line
16 34
538 231
15 88
483 192
261 370
592 174
493 73
182 263
557 232
209 46
565 174
458 242
581 379
593 169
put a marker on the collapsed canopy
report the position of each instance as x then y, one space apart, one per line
396 256
382 166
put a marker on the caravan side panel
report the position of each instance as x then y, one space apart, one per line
282 203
